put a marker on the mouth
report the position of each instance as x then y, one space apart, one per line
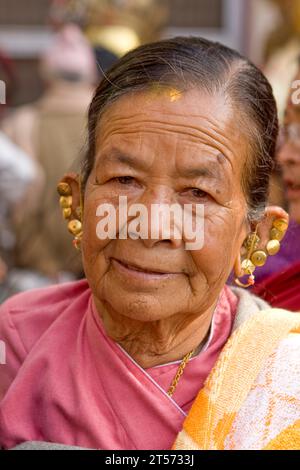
292 189
139 272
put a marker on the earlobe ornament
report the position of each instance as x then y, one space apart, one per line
273 247
258 257
248 267
74 225
64 189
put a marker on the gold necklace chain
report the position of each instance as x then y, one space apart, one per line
179 372
184 362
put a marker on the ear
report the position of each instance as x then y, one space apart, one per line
264 227
73 180
237 267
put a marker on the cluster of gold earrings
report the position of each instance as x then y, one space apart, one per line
258 257
75 224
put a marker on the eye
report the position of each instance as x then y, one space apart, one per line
125 183
196 193
124 179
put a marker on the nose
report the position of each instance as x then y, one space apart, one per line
162 218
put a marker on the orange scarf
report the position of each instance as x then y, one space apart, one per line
251 399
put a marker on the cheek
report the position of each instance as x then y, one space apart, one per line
215 260
92 245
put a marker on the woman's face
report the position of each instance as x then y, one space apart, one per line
165 148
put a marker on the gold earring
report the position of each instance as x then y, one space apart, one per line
75 228
258 258
251 241
279 228
273 246
281 225
248 267
65 201
64 189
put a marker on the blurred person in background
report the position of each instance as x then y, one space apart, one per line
118 25
51 131
113 27
282 50
281 275
288 156
17 173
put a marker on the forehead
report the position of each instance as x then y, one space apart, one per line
189 108
189 120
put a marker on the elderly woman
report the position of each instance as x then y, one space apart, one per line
153 350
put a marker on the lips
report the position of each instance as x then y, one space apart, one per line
291 184
294 186
134 267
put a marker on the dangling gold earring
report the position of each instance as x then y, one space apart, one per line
279 227
248 267
257 258
65 201
277 233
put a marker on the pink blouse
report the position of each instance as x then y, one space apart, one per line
66 381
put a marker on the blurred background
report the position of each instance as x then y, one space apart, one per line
52 55
257 28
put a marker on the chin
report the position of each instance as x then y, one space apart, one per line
145 307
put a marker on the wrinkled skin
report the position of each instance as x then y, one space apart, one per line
160 318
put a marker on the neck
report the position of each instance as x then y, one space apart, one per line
158 342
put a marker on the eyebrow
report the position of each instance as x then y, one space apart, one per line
211 169
117 156
203 172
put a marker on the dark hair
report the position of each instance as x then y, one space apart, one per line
187 62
